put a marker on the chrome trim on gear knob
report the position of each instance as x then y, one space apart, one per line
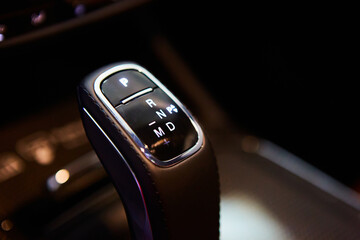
127 128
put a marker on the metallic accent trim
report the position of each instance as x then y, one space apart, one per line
135 95
127 128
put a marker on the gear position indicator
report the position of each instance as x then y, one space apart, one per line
165 130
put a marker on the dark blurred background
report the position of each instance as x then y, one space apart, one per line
283 73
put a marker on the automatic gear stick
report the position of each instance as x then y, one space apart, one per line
155 152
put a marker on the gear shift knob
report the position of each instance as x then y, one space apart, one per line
155 152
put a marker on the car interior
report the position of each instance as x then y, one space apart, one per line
267 84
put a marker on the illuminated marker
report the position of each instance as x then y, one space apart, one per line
150 102
170 126
171 109
124 81
161 114
159 132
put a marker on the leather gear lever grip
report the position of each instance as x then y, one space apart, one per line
155 152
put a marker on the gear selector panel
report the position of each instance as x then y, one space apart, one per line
155 152
158 123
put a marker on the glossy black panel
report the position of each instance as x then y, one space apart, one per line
123 84
160 124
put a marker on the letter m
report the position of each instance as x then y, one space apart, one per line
159 132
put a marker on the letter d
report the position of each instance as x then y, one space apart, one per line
170 126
